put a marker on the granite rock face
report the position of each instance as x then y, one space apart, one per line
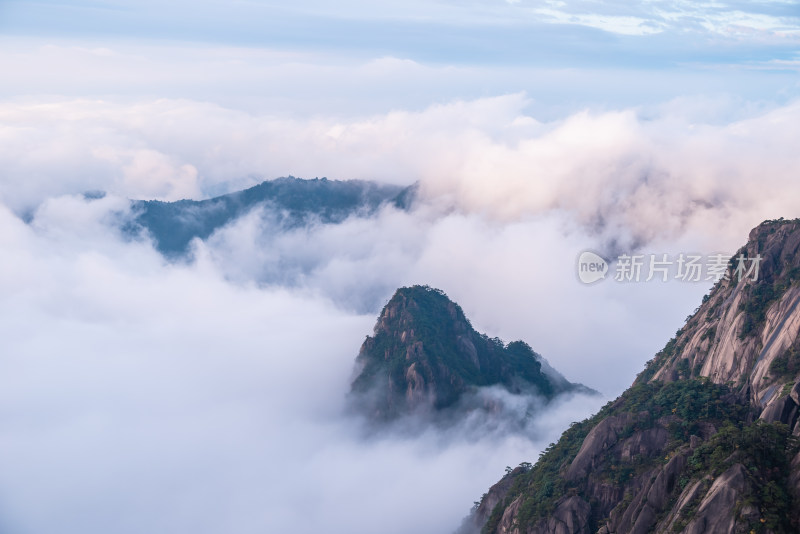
744 326
705 440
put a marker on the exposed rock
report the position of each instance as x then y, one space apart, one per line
782 410
794 477
508 521
571 516
417 391
599 440
649 500
724 375
472 524
716 514
725 343
659 493
643 444
690 494
779 333
605 495
795 393
603 441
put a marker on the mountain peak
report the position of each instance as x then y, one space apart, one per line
423 308
425 355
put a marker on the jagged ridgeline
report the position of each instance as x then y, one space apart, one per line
292 202
425 356
706 439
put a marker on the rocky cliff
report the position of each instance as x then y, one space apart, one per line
424 356
705 441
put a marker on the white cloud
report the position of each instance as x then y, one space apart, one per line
213 387
624 25
145 397
197 20
759 21
633 174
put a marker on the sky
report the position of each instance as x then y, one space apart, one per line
142 395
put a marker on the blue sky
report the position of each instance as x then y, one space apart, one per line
565 56
508 32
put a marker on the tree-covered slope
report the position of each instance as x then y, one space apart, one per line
705 441
294 201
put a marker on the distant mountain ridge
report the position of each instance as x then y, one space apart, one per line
705 441
424 356
173 225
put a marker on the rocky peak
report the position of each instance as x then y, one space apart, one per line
417 311
424 355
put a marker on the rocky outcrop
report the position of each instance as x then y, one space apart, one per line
480 514
717 514
571 516
702 442
744 326
794 477
652 498
781 409
606 436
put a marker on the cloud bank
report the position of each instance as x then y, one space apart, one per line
139 396
636 175
147 396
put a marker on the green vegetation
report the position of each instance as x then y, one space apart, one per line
542 485
764 449
663 356
688 409
760 296
710 333
295 202
687 403
787 365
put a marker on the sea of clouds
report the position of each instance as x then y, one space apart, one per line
207 395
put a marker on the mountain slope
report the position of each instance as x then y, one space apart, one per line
743 331
424 355
174 224
705 441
